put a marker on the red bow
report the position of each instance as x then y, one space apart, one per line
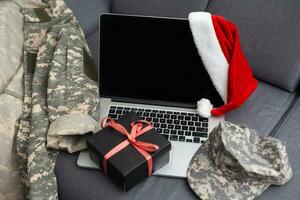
137 129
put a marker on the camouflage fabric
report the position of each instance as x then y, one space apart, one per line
235 163
11 95
57 95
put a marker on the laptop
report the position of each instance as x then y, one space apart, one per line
150 66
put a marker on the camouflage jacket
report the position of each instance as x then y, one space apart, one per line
11 92
61 102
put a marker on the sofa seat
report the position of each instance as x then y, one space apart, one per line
262 111
290 134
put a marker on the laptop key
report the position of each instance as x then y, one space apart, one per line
156 125
203 119
204 124
112 111
113 116
197 123
159 130
180 117
162 120
181 138
188 133
173 132
166 131
180 132
184 128
191 123
159 115
119 111
170 126
202 129
167 116
192 128
194 118
189 140
170 121
183 123
173 117
196 140
173 137
187 118
153 115
177 127
163 125
199 134
176 121
155 120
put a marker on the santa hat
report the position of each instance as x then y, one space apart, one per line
219 47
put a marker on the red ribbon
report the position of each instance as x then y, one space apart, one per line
137 129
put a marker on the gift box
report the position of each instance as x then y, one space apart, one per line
131 155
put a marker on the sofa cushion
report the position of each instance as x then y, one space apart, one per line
88 11
75 183
289 133
270 35
262 111
166 8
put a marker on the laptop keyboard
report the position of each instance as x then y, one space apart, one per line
174 126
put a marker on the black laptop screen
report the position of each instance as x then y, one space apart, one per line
152 58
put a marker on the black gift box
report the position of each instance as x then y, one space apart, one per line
127 167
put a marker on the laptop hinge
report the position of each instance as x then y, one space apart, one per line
153 102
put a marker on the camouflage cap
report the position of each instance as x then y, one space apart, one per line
236 163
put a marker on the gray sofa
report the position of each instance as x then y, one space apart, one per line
270 38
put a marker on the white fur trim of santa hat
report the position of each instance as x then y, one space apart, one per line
209 49
204 108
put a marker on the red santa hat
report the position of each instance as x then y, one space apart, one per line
218 44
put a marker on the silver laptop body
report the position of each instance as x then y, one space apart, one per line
179 133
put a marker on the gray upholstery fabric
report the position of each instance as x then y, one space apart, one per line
88 11
166 8
270 34
263 110
83 184
290 135
93 42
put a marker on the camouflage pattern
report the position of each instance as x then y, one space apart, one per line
235 163
11 95
57 95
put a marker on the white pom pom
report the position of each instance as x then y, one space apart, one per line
204 108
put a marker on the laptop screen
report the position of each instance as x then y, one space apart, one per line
153 59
